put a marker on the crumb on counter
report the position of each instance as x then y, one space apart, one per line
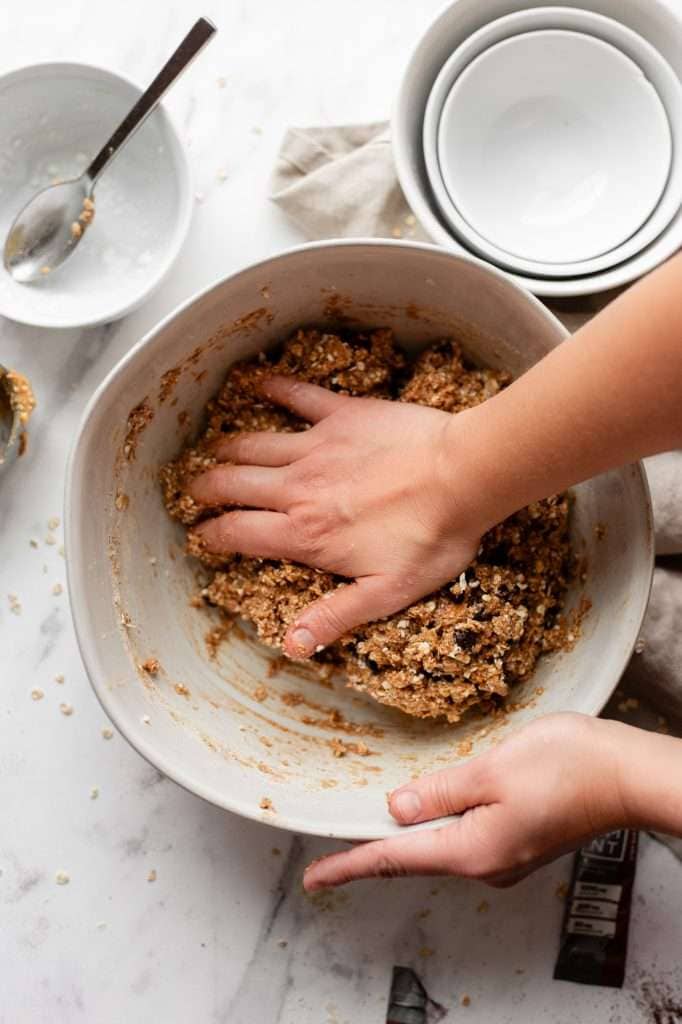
107 733
266 804
151 666
62 878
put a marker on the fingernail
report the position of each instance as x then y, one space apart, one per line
406 805
302 642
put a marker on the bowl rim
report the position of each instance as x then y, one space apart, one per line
77 576
656 252
179 166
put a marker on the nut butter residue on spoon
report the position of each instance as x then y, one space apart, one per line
17 402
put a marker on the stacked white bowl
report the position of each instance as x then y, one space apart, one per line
548 140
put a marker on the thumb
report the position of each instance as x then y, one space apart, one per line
324 621
450 791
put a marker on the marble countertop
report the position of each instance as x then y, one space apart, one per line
224 933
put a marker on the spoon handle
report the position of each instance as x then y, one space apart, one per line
194 41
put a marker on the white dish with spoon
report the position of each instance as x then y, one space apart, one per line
535 146
657 71
55 117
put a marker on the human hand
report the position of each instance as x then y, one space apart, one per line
381 492
538 794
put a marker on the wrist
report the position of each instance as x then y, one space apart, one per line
649 772
478 476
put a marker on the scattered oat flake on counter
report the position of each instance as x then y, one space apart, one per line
14 604
66 709
107 733
426 951
151 877
57 589
266 804
122 501
37 694
146 720
94 792
466 1000
53 523
182 690
33 542
151 666
483 907
62 878
59 678
260 694
50 539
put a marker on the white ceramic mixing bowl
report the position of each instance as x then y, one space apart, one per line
130 584
657 21
657 71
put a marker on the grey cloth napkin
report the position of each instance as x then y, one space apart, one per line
340 182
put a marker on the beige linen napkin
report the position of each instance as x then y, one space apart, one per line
340 182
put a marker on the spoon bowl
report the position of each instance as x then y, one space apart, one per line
48 228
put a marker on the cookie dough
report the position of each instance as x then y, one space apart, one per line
460 647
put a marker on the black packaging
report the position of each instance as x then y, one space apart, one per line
409 1002
594 937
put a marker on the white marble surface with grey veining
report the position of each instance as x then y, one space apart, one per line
224 933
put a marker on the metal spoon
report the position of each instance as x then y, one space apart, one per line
50 226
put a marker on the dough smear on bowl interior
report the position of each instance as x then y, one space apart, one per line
462 646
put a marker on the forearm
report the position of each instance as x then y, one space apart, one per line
610 395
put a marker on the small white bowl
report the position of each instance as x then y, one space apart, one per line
236 737
535 146
657 21
649 60
55 117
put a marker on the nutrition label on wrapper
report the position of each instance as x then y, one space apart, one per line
595 929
